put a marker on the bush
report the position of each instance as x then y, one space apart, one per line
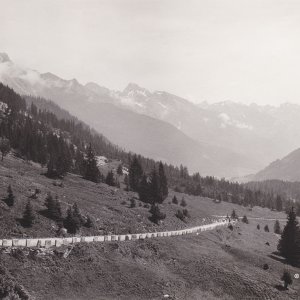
287 279
266 228
183 202
277 229
175 200
179 214
28 215
186 213
234 215
230 227
265 266
156 214
146 205
258 226
123 202
245 219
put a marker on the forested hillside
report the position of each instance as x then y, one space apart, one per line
40 131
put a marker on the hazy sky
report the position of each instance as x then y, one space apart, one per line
214 50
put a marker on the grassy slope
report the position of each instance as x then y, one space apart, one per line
213 265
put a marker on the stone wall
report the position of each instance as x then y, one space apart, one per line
57 242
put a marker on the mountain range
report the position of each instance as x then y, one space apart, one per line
224 139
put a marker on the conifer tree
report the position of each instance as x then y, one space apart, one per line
287 279
266 228
71 223
289 244
258 226
183 202
277 229
154 188
175 200
28 215
234 216
77 215
4 147
120 170
278 203
156 214
135 174
144 190
245 219
110 180
92 172
10 199
163 182
126 182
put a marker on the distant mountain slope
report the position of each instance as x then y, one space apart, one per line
102 109
287 168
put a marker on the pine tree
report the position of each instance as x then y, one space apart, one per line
135 174
289 244
234 216
110 180
126 182
144 190
92 172
4 147
77 215
57 214
154 188
10 199
277 229
258 226
120 170
183 202
156 214
28 215
163 182
266 228
278 203
287 279
71 222
175 200
245 219
49 203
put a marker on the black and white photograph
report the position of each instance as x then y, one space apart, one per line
149 149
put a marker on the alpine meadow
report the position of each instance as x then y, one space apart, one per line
149 150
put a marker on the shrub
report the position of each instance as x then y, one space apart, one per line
156 214
277 229
234 215
287 279
258 226
10 199
245 219
89 222
186 213
183 202
123 202
230 227
28 215
179 214
266 228
265 266
175 200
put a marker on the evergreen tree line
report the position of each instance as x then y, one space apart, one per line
153 187
68 145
